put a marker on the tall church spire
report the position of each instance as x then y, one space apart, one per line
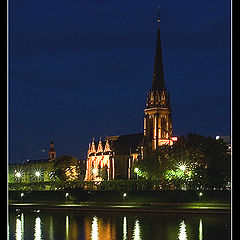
158 77
158 119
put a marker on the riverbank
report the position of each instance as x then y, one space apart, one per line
189 208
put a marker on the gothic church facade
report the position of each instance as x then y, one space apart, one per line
115 157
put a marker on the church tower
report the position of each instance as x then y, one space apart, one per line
158 119
52 152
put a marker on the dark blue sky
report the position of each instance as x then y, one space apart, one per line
82 69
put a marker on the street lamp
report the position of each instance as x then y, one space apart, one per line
182 167
22 194
124 195
18 174
66 195
136 170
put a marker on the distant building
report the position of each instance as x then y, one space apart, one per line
115 157
34 170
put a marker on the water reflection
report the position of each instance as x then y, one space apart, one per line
51 233
112 226
94 232
182 235
38 233
200 230
137 231
19 227
67 227
124 228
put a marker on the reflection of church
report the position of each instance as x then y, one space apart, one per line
114 157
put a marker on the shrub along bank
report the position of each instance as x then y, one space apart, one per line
164 196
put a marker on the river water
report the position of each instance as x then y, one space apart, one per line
86 225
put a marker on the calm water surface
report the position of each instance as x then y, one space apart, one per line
111 226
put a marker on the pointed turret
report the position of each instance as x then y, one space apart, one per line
158 77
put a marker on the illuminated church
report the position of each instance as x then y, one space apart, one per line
115 157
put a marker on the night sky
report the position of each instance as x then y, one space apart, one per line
82 69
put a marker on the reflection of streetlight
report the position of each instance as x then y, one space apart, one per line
22 194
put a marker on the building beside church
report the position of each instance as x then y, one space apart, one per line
115 157
34 170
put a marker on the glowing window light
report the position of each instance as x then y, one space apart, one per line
137 231
71 173
174 139
37 233
94 232
124 228
182 235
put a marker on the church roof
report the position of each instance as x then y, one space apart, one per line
125 144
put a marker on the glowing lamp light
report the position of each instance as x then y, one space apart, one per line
182 167
95 171
18 174
124 195
37 174
200 194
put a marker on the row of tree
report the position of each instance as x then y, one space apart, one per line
193 162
